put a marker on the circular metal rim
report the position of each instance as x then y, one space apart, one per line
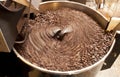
65 72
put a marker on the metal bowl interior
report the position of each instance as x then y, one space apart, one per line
97 16
52 5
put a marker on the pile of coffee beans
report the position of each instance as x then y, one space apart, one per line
64 39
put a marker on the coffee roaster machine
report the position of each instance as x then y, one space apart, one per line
11 16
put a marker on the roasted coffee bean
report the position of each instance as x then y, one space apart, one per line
84 45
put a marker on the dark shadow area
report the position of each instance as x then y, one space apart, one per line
11 66
114 54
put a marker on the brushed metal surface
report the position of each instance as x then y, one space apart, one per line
3 44
90 71
9 19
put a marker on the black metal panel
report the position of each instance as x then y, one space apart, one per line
8 23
